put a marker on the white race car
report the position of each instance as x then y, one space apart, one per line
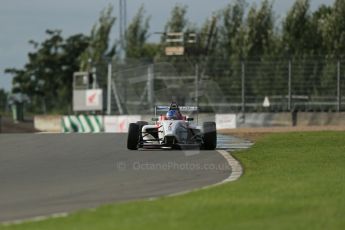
172 131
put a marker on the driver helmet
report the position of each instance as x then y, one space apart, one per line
172 115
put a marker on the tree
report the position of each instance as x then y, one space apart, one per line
3 100
47 77
334 28
99 45
231 29
319 29
226 59
259 34
136 37
297 33
178 21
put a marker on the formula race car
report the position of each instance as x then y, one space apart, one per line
172 131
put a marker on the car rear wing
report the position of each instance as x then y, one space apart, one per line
163 108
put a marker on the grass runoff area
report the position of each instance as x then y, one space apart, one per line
291 181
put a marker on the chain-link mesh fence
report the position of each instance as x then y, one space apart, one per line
219 85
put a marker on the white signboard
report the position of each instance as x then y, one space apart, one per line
226 121
93 97
87 100
119 124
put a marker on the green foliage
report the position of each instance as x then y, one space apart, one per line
3 100
99 47
231 31
334 27
47 77
178 21
259 30
319 27
136 37
297 28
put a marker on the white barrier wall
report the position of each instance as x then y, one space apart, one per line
119 124
226 121
48 123
263 120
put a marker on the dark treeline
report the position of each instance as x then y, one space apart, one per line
242 32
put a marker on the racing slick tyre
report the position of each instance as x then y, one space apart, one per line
133 136
209 135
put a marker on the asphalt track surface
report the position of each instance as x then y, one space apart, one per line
42 174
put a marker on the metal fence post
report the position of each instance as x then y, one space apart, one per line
109 89
117 98
197 91
150 86
289 87
243 87
197 85
338 87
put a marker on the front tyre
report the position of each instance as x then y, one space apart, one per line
209 135
133 136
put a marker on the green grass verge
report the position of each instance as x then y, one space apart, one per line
291 181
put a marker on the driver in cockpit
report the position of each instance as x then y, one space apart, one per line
174 113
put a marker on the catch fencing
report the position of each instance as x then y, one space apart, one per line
217 85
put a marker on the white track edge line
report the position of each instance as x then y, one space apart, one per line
35 219
236 173
236 167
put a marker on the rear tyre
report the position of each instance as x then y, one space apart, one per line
209 135
133 136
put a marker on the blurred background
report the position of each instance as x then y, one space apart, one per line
226 57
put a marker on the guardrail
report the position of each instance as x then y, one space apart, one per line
119 124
